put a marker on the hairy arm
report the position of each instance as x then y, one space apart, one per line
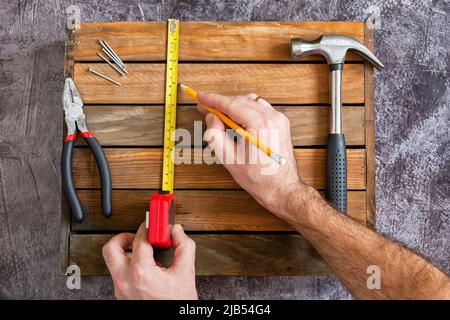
350 249
347 247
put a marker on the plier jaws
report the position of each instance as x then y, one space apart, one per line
76 121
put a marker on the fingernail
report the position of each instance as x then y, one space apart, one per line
178 227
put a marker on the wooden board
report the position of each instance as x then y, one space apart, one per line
141 168
221 254
208 41
196 210
123 125
278 83
239 237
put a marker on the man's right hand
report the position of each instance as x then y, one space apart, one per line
269 183
347 247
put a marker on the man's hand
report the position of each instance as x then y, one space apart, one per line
348 248
269 183
136 275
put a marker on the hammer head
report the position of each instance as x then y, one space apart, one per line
333 48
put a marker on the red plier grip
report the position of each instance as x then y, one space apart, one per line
160 219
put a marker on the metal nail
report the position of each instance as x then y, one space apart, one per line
112 55
107 46
108 53
103 44
104 77
115 68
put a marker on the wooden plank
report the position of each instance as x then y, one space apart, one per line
140 168
143 125
203 41
221 254
278 83
197 210
370 132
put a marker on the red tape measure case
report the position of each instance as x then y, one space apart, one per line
161 219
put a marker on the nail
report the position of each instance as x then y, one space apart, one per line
107 46
103 76
115 68
108 53
114 59
112 56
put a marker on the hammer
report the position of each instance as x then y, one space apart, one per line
334 48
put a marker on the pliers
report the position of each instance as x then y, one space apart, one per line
75 118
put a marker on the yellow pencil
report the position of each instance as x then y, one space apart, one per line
237 128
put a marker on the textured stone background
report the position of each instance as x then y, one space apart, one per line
412 134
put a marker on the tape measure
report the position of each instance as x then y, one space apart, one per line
170 116
160 217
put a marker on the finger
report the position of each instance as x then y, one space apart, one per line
265 103
142 249
261 104
213 121
184 254
218 140
250 103
241 109
113 252
201 109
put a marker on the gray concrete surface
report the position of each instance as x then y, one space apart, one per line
412 134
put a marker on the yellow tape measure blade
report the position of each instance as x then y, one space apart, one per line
170 117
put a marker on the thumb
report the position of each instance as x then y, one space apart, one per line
142 249
184 254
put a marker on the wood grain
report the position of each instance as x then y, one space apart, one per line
143 125
197 210
278 83
203 41
140 168
220 254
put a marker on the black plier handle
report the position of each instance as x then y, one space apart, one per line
102 164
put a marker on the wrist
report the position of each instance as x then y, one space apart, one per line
299 203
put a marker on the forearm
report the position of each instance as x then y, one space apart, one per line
350 249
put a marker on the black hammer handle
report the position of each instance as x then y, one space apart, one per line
337 171
105 174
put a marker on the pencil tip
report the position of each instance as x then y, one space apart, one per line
182 86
